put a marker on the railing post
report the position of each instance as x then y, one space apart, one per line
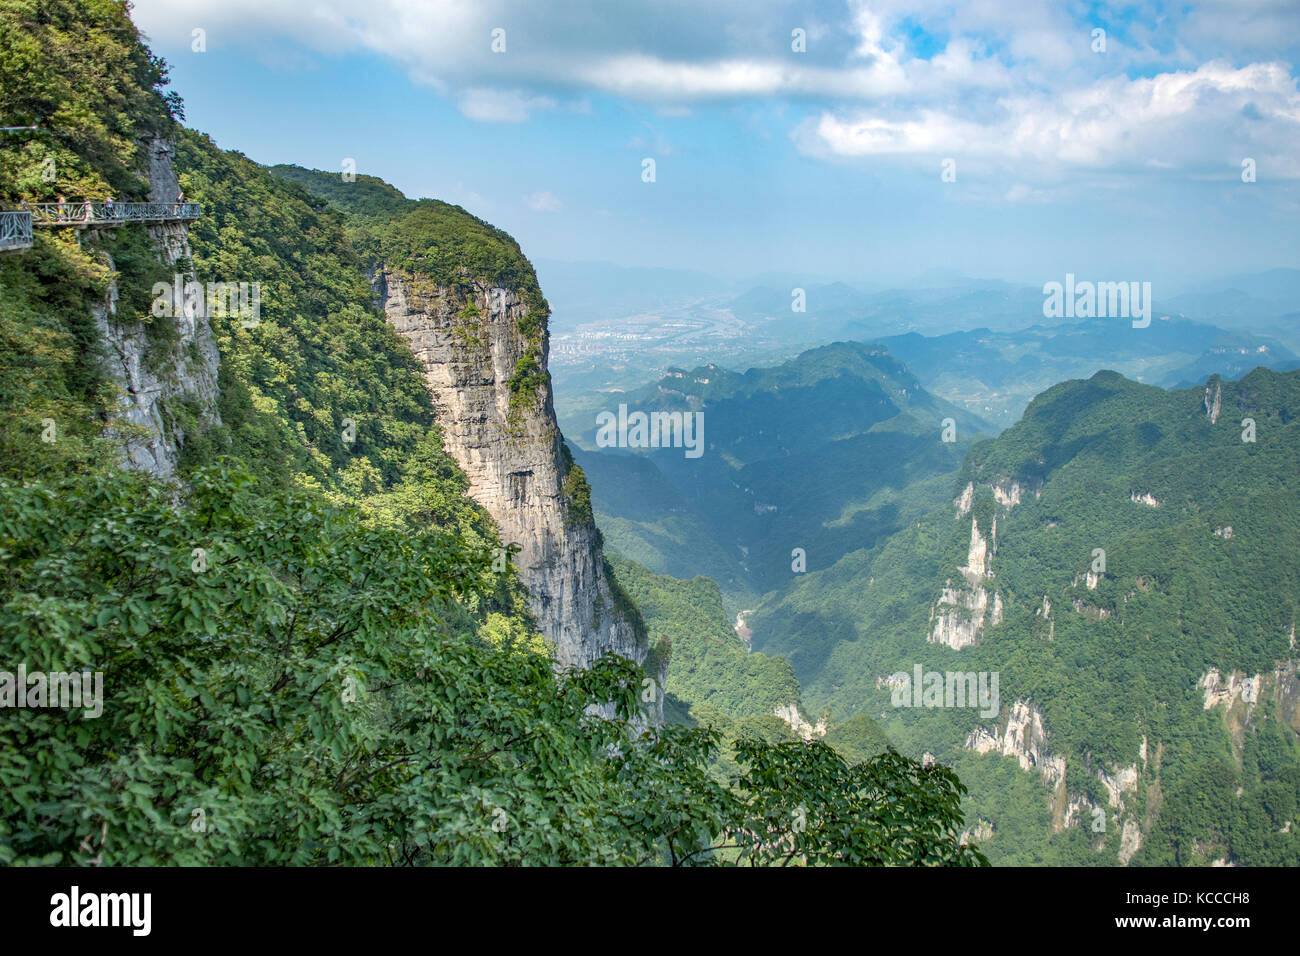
15 231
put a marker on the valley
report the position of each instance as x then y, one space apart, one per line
1090 560
848 539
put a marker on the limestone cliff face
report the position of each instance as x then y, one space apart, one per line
966 609
1007 493
1213 399
152 391
469 341
1025 738
959 616
796 722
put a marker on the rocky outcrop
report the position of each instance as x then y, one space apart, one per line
1225 692
1090 579
1285 692
1024 738
980 832
796 722
1090 611
1213 405
164 185
977 555
1082 811
964 500
1007 492
469 341
159 396
742 630
1124 780
1130 841
1045 612
957 618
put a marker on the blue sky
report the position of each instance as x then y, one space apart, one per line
1115 164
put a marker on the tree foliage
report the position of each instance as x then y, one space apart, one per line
298 698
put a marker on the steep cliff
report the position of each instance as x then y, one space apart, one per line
466 300
160 396
958 618
470 342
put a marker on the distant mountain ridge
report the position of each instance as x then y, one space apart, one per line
996 373
783 469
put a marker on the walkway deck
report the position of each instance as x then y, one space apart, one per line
16 225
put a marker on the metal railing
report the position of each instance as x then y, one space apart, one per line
15 231
111 213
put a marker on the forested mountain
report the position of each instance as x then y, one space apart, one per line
1125 559
277 537
813 454
983 345
995 374
469 306
1231 361
714 680
1122 558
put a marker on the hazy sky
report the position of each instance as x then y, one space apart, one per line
1114 165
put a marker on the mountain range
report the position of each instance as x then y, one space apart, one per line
811 455
1123 558
1121 561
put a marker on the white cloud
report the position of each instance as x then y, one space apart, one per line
654 79
1011 82
1253 26
500 106
543 201
668 52
1186 119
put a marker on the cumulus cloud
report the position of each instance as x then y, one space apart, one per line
500 106
543 201
664 51
1180 85
1186 119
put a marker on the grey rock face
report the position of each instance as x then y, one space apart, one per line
469 343
1215 405
958 617
151 390
163 184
